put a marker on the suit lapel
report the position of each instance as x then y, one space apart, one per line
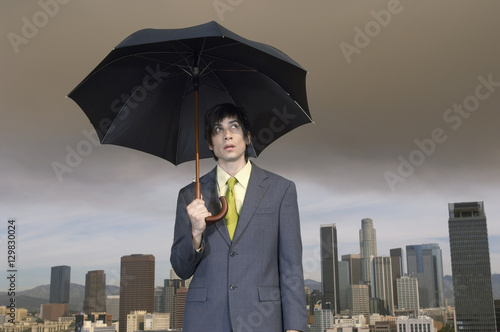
255 192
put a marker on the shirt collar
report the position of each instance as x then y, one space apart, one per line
243 176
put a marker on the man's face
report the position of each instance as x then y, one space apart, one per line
228 142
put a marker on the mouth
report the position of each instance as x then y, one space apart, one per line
228 147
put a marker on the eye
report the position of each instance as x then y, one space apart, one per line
217 130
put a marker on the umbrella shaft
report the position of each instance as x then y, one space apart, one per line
197 192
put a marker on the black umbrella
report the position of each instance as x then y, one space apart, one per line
150 90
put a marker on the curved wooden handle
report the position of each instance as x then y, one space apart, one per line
222 213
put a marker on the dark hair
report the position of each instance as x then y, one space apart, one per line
218 113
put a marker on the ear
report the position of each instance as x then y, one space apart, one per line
248 139
210 146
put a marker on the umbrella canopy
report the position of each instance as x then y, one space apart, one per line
143 95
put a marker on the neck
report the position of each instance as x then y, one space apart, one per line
232 168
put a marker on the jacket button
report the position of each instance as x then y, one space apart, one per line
232 287
232 254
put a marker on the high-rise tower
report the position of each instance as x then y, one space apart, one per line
368 249
407 289
59 284
95 292
470 265
382 282
137 286
426 264
397 271
329 267
354 261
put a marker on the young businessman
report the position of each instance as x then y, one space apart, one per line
247 273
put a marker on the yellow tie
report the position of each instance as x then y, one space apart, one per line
232 214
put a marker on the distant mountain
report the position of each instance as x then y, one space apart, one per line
312 284
31 299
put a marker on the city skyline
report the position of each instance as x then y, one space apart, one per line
405 117
115 280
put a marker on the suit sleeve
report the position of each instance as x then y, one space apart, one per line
183 257
290 263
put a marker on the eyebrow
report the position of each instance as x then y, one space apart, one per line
230 122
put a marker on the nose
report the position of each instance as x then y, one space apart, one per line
227 134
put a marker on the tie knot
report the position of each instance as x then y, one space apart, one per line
231 182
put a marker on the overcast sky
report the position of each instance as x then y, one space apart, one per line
405 97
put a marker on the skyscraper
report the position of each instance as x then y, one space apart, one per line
170 288
397 271
470 265
329 267
95 292
382 283
343 284
137 286
359 300
354 261
59 284
426 264
408 294
368 249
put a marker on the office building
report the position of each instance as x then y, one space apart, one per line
180 304
368 249
323 319
470 265
497 313
174 276
135 321
95 292
343 284
140 320
97 326
417 324
59 284
113 306
382 283
407 294
359 300
159 299
426 264
137 286
354 261
397 270
166 300
53 311
329 268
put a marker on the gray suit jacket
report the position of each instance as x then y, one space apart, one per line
256 282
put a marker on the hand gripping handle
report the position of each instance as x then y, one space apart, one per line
222 212
223 201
